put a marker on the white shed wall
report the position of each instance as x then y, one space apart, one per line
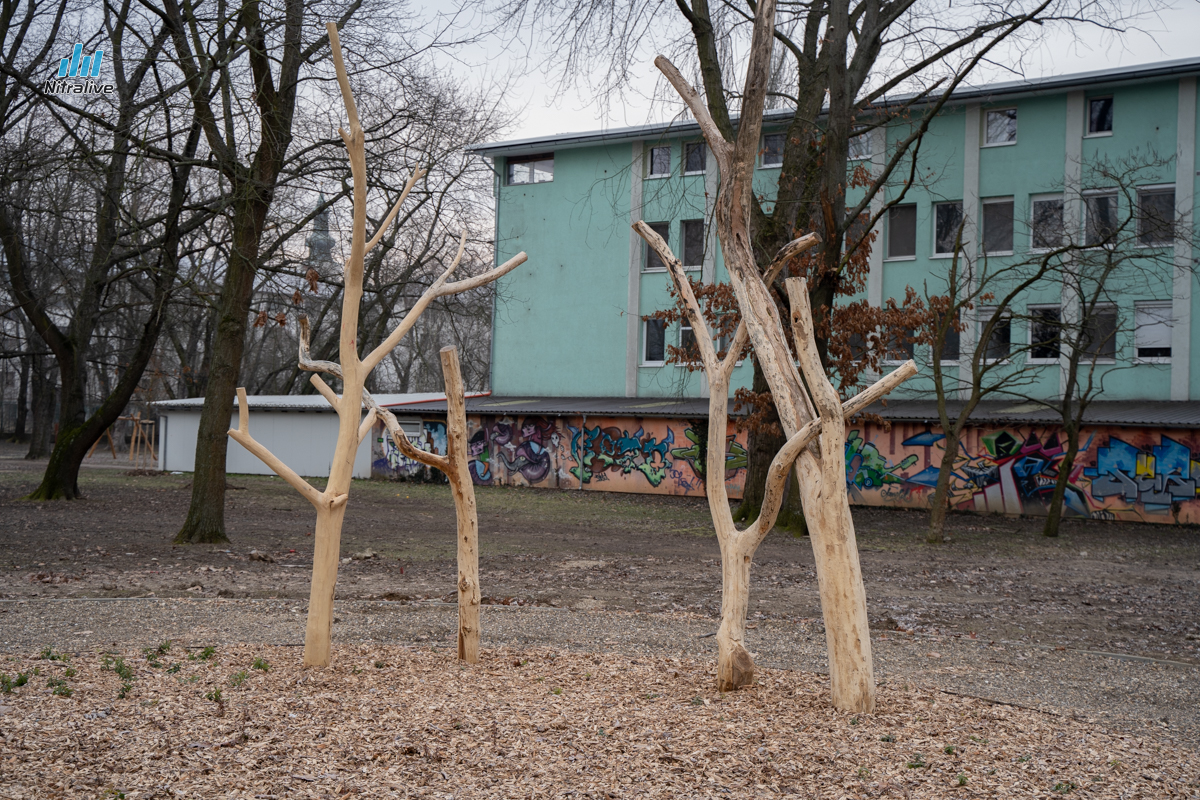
303 440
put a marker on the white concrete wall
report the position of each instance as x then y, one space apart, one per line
303 440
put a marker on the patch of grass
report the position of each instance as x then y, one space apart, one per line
1023 759
60 687
153 654
7 684
214 695
261 663
174 668
237 678
697 701
948 750
962 779
118 665
70 672
863 773
49 655
126 688
203 655
854 720
556 690
380 665
1063 787
917 762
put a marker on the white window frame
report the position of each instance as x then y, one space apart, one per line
1158 187
646 344
646 249
1168 318
679 343
984 132
933 253
1087 118
981 320
683 244
683 155
1012 201
529 159
650 174
887 256
762 159
1088 195
890 360
1037 198
865 137
1100 308
1029 357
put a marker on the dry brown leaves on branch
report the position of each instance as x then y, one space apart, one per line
389 721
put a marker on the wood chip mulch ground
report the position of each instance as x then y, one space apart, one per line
391 721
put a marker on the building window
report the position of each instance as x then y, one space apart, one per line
1047 224
901 348
660 162
947 220
951 342
772 150
653 262
654 347
1101 224
1045 328
687 343
531 169
1000 127
998 226
1100 116
1156 216
1100 334
860 146
695 158
999 344
902 232
1152 331
693 242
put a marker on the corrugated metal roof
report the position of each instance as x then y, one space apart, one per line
1131 413
307 402
1033 86
571 406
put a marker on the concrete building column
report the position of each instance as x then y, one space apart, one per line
1185 195
875 265
970 203
1072 218
633 317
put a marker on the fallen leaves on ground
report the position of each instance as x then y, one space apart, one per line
391 721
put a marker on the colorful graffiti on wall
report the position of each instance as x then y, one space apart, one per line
386 458
1119 473
619 454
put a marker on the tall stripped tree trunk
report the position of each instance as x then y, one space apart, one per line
827 510
735 667
353 371
456 466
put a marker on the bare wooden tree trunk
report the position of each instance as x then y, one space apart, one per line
849 648
330 504
456 466
820 473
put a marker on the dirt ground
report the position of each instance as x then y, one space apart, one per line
245 721
1100 586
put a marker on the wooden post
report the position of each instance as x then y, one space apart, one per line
456 466
353 370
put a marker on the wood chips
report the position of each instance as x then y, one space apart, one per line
391 721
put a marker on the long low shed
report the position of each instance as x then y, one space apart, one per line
300 429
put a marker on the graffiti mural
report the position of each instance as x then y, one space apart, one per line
604 454
388 461
1119 473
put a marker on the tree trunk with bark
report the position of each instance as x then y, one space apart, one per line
43 393
941 494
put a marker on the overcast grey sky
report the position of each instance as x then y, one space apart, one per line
1172 33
